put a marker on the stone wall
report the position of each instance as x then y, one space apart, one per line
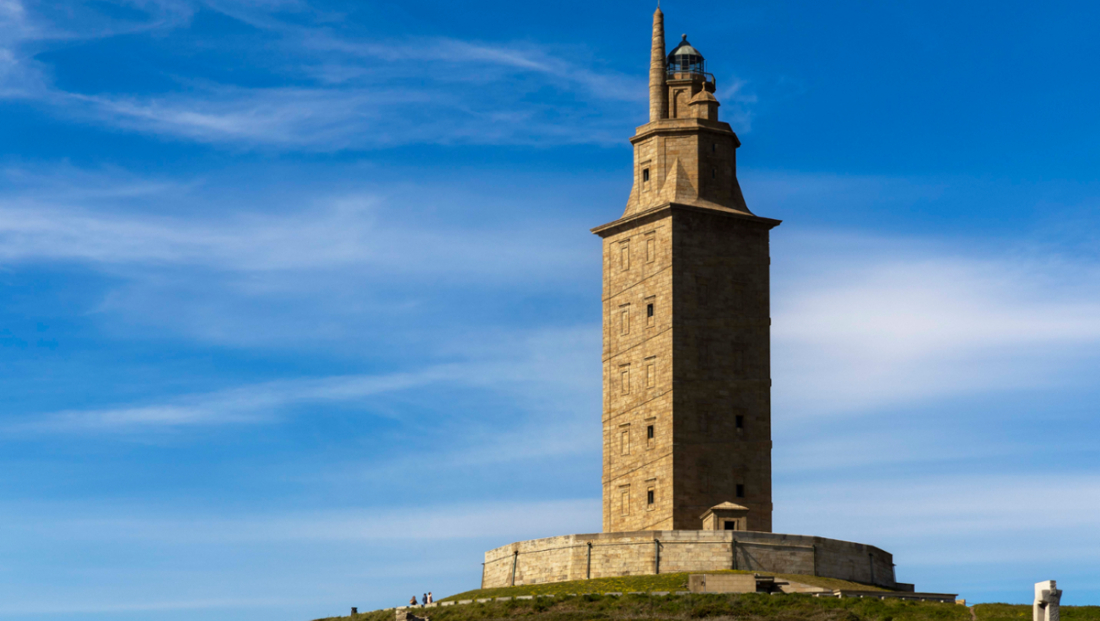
637 377
579 557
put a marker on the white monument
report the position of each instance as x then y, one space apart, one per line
1047 597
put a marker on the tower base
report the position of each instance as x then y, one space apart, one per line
603 555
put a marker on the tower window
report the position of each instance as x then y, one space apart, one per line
645 175
740 490
649 310
624 379
624 255
739 420
624 320
649 497
649 432
650 248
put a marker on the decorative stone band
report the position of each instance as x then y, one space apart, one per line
601 555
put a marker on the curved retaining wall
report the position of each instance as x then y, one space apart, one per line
579 557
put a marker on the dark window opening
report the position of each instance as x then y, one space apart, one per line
649 497
713 173
649 432
645 175
648 310
740 490
739 420
730 525
713 147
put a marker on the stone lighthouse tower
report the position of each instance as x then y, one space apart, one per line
686 323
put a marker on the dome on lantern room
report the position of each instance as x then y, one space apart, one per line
685 58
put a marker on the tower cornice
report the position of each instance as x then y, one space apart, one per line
671 127
661 211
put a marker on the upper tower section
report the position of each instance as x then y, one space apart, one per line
685 154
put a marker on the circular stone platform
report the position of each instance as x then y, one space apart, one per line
602 555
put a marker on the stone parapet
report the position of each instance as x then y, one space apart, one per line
602 555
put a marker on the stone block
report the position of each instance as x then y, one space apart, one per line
722 583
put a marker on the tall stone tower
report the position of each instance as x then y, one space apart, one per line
686 356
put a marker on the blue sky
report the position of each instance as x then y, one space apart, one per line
300 310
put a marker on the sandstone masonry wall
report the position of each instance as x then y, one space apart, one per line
580 557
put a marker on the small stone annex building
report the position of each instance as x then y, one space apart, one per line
687 442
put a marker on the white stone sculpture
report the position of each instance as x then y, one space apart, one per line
1047 597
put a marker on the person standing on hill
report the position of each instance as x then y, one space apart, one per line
412 600
430 600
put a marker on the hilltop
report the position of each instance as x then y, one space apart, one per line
599 599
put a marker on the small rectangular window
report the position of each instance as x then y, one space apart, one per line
739 420
649 310
740 490
649 313
624 256
730 525
651 375
625 496
651 249
624 320
649 432
649 497
645 174
624 378
624 442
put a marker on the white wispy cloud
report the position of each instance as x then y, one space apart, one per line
342 91
244 404
286 269
27 29
223 559
422 522
863 322
952 519
86 225
540 371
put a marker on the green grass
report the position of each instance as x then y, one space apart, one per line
627 584
742 607
1022 612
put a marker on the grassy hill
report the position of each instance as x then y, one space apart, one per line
1015 612
596 605
628 584
746 607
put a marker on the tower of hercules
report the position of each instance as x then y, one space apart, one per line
686 360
